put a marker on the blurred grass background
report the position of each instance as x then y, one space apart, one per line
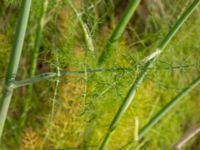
85 104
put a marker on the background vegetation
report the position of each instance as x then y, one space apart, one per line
75 111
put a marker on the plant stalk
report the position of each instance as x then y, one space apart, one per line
168 107
14 61
187 137
132 91
50 75
34 59
117 33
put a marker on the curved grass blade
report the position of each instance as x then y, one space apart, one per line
14 61
118 31
132 91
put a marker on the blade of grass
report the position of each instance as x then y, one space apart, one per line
118 31
14 61
132 91
34 59
168 107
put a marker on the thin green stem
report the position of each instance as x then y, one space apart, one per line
34 59
168 107
49 75
132 91
178 24
14 61
39 33
117 33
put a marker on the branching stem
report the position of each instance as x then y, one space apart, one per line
14 61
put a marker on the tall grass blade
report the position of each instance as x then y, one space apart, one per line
118 31
132 91
14 61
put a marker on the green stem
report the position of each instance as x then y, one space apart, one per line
34 59
132 91
117 33
14 61
49 75
39 32
168 107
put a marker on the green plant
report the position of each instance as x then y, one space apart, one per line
74 100
118 31
84 27
34 58
168 107
14 62
132 91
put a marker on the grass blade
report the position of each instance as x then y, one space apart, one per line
14 61
118 31
132 91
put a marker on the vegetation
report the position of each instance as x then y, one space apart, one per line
149 63
81 65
